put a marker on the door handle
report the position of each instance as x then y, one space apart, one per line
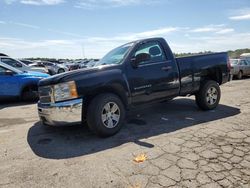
166 68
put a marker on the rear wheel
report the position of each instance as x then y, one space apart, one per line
209 95
239 75
105 114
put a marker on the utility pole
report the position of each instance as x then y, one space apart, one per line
83 51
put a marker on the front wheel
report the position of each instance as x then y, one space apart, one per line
105 114
209 95
61 71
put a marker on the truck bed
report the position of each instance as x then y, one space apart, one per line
192 68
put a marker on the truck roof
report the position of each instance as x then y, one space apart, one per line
154 38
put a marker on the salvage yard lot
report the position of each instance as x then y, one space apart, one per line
185 147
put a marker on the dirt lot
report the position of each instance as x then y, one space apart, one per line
185 147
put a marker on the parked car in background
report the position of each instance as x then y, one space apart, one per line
40 65
92 63
57 61
26 62
240 68
57 68
72 66
53 68
83 64
245 56
15 83
20 65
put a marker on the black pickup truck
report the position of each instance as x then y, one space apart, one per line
139 72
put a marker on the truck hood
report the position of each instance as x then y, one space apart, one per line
72 75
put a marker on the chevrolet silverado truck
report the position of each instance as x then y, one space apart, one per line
136 73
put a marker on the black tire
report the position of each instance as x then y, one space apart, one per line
239 75
51 72
60 71
96 111
209 95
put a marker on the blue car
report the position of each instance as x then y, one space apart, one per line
18 84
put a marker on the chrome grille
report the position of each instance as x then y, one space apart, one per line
45 94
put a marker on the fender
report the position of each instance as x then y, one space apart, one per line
28 83
109 80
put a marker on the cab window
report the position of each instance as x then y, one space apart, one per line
154 50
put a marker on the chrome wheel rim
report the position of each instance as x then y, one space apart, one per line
110 115
212 95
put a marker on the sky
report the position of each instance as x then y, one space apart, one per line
91 28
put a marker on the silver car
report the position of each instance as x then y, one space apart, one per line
53 67
240 68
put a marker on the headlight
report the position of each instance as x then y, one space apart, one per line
65 91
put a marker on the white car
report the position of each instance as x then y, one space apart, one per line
20 65
53 68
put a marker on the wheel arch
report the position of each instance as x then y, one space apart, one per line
213 74
28 86
115 89
60 69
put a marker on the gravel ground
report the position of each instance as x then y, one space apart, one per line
185 147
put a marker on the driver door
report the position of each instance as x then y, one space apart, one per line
155 79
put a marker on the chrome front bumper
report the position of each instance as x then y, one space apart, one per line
61 113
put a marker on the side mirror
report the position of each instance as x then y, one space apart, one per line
140 58
9 73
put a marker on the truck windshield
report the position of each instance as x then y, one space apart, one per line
115 56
